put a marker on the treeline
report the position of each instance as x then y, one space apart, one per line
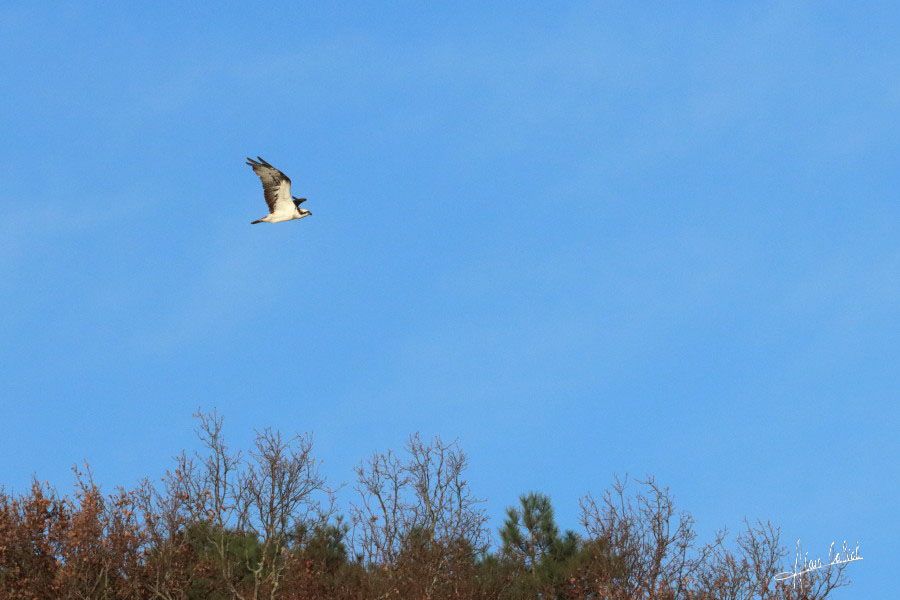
223 525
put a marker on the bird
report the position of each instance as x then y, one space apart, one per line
277 191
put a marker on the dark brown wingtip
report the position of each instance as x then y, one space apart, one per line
256 221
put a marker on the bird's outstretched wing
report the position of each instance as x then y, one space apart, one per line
276 186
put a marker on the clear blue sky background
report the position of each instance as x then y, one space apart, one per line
586 240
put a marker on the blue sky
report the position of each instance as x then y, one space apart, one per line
591 240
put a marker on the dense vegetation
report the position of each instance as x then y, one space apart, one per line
222 525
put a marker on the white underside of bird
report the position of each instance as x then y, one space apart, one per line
279 217
277 192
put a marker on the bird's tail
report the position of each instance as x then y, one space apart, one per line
256 221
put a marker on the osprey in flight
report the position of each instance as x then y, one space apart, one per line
277 190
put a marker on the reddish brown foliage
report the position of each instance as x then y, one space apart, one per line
221 526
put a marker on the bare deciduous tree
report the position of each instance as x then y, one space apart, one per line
748 572
645 535
650 552
276 494
417 518
168 513
245 511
